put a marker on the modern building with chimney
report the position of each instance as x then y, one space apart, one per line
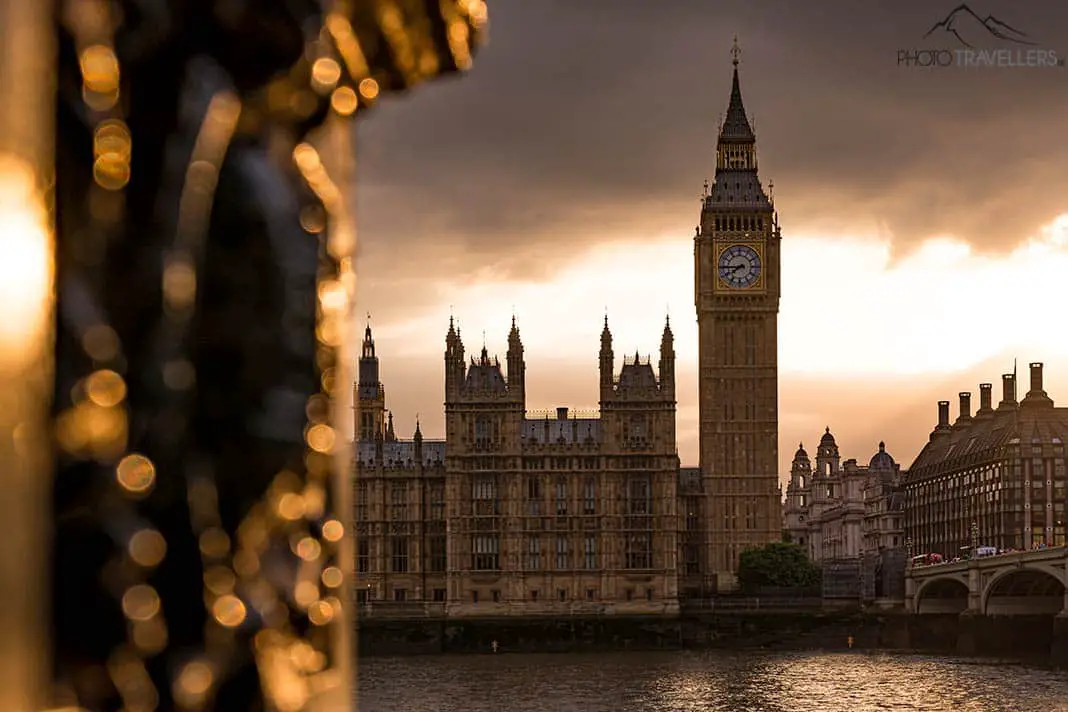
995 477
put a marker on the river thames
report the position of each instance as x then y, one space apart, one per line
713 681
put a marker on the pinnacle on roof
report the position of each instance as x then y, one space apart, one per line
736 127
368 341
513 334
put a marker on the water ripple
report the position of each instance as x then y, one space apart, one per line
717 681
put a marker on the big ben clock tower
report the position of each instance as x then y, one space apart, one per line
736 265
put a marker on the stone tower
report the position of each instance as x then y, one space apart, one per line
370 396
736 261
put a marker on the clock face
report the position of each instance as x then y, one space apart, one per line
739 266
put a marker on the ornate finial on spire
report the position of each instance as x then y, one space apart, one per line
828 429
736 52
771 190
483 339
801 446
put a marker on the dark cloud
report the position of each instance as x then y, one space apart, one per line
591 121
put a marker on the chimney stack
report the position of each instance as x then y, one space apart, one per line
1037 396
965 407
1036 378
561 413
943 414
985 397
1008 391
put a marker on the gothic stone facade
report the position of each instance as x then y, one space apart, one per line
401 553
737 286
522 514
560 512
569 511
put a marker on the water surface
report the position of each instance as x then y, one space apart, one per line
712 681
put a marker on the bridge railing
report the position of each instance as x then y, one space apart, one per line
999 555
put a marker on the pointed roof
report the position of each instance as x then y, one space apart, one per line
736 127
513 335
368 341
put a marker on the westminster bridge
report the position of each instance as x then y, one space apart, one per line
1021 583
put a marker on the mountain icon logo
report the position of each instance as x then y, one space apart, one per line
965 24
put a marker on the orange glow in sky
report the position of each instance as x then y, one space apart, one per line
849 313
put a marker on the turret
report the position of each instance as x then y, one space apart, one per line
454 361
800 472
516 365
370 395
827 457
418 440
606 362
667 361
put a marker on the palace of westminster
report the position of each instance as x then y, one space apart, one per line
520 513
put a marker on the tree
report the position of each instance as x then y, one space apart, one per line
779 564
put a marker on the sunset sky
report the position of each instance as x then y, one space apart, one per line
924 212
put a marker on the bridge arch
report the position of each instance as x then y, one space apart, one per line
1025 590
942 594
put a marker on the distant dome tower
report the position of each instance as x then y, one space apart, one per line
827 458
881 461
795 509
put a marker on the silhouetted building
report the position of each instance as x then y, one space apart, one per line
992 478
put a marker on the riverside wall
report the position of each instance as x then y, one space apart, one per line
1041 639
